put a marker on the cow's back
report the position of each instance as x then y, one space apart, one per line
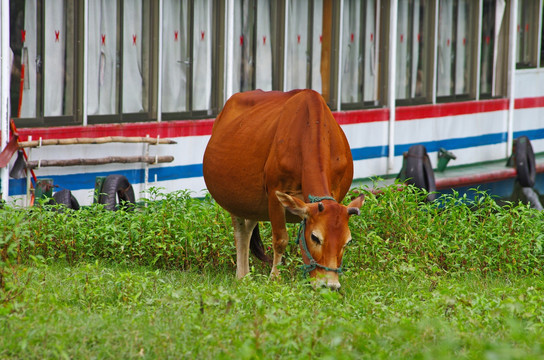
258 138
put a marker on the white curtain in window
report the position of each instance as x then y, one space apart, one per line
132 57
402 50
297 45
351 57
462 47
499 15
243 39
370 59
202 55
29 59
175 56
102 94
263 70
417 36
445 44
524 8
316 45
54 61
486 51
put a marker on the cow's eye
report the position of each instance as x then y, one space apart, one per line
348 242
315 239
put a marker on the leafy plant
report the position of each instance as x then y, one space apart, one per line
397 231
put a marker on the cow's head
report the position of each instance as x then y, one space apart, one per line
326 234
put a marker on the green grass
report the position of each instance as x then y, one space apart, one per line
452 279
107 311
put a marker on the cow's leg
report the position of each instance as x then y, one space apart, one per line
242 235
280 238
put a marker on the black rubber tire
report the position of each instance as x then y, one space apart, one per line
117 186
65 198
525 161
419 171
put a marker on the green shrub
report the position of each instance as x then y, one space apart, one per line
171 231
397 231
13 234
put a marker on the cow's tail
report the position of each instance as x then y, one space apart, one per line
256 246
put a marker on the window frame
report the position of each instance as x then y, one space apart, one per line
379 50
120 116
217 85
533 44
428 56
472 63
40 120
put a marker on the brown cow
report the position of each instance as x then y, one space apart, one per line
271 151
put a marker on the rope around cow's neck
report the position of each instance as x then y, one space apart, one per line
307 268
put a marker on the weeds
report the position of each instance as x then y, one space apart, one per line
397 231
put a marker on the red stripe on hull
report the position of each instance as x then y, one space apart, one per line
361 116
527 103
167 129
450 109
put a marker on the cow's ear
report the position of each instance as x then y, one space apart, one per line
355 205
293 204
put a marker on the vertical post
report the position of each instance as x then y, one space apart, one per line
5 77
377 51
146 169
229 58
159 65
539 39
511 75
340 49
392 86
435 53
28 179
85 61
285 45
479 49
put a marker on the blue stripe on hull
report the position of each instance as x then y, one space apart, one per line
84 181
374 152
537 134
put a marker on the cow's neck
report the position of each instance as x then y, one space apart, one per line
316 152
316 170
318 186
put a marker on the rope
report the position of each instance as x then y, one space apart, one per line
307 268
314 199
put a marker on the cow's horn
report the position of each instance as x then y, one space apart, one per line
353 211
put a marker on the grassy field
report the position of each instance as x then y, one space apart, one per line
103 311
454 279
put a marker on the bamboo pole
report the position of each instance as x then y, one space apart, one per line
101 140
326 48
100 161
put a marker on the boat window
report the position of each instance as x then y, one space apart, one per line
360 55
413 36
304 39
118 58
455 46
527 34
494 44
187 38
43 74
253 44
